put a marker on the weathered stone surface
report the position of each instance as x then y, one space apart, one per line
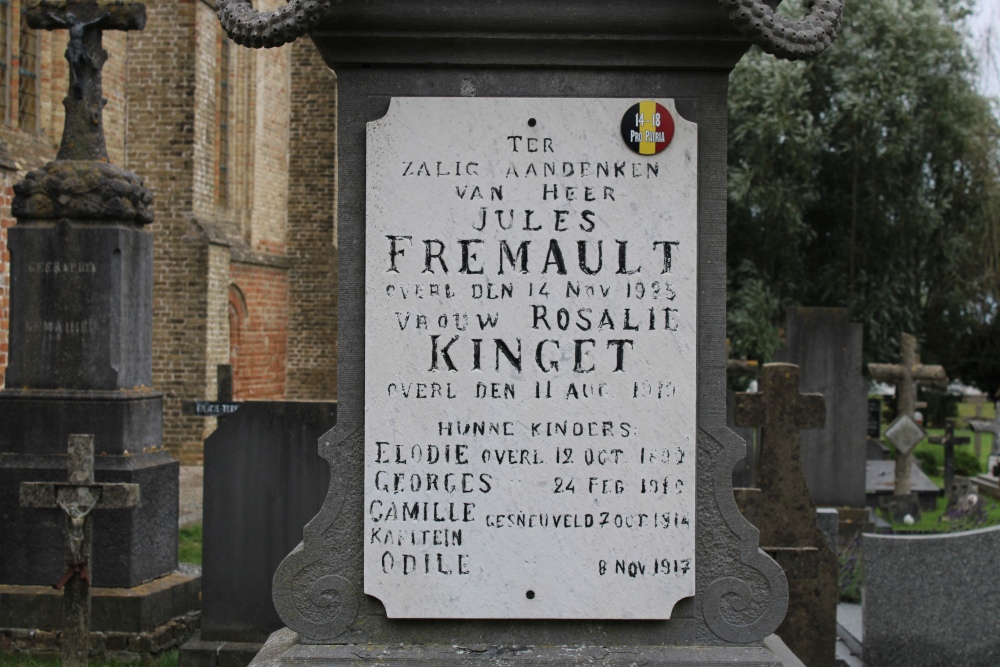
925 603
827 347
83 190
784 512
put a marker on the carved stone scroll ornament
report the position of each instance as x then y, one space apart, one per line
734 610
785 38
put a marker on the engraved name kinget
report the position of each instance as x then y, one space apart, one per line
530 360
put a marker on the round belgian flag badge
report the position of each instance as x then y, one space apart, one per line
647 128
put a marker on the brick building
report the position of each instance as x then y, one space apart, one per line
238 147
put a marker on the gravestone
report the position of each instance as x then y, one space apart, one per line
265 451
905 376
781 506
532 351
80 349
989 481
827 347
977 405
926 601
78 497
948 440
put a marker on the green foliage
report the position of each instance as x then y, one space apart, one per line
189 544
850 578
966 464
927 462
867 178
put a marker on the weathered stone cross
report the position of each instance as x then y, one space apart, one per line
949 440
992 427
904 376
781 411
83 132
78 497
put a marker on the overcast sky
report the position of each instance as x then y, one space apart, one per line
985 26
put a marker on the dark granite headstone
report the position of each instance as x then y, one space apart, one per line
264 480
827 347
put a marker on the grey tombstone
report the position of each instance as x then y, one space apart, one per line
679 52
80 347
926 602
264 480
827 347
781 506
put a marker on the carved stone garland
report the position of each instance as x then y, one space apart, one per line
785 38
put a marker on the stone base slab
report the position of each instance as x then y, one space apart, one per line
284 650
123 647
134 610
198 652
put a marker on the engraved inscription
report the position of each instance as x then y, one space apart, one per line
530 370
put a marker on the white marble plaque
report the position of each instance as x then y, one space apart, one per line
530 358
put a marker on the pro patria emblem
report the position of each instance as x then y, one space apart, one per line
647 128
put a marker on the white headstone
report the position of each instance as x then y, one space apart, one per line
530 371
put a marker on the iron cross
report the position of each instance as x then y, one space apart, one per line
949 441
781 411
78 497
905 376
83 132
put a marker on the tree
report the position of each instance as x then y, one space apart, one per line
869 178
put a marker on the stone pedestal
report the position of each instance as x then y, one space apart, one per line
676 54
81 362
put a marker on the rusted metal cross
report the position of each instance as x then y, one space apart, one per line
83 132
781 412
949 440
78 498
905 376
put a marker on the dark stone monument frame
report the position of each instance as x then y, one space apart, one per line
741 593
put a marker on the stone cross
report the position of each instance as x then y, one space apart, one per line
948 440
905 376
78 497
977 402
83 132
992 427
784 512
781 411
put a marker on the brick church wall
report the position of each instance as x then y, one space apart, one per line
312 249
268 237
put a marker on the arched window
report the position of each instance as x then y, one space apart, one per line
237 322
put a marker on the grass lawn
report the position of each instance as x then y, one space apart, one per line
188 545
931 521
